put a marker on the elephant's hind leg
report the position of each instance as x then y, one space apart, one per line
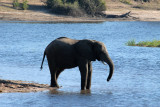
58 73
53 73
89 75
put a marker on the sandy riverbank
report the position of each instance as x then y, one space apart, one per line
10 86
38 12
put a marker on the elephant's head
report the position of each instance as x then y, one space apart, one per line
92 50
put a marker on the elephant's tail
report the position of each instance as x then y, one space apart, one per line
43 60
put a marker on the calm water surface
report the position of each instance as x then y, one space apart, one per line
135 83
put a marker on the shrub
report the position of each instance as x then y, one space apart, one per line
15 4
76 7
92 7
64 7
25 5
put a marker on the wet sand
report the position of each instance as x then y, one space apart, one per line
10 86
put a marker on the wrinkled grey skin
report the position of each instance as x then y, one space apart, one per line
64 53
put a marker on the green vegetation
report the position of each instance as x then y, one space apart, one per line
64 7
126 2
77 7
15 4
154 43
92 7
25 5
131 43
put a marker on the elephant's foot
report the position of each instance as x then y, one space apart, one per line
86 91
55 86
83 88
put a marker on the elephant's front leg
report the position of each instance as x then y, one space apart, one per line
89 75
83 67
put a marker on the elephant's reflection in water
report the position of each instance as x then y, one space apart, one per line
60 92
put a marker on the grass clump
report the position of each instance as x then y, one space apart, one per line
76 7
154 43
131 43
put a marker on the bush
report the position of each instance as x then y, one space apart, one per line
76 7
15 4
62 7
18 5
92 7
25 5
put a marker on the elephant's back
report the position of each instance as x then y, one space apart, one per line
66 41
62 45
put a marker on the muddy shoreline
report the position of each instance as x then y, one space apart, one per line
10 86
51 18
66 19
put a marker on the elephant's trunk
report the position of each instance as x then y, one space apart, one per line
111 66
108 60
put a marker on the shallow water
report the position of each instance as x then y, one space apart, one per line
137 69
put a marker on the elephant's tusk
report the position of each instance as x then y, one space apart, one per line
103 62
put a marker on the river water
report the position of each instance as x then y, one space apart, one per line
135 83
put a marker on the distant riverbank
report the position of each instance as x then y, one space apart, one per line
38 12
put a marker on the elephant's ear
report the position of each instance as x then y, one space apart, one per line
84 48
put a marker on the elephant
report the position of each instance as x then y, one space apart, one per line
64 53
